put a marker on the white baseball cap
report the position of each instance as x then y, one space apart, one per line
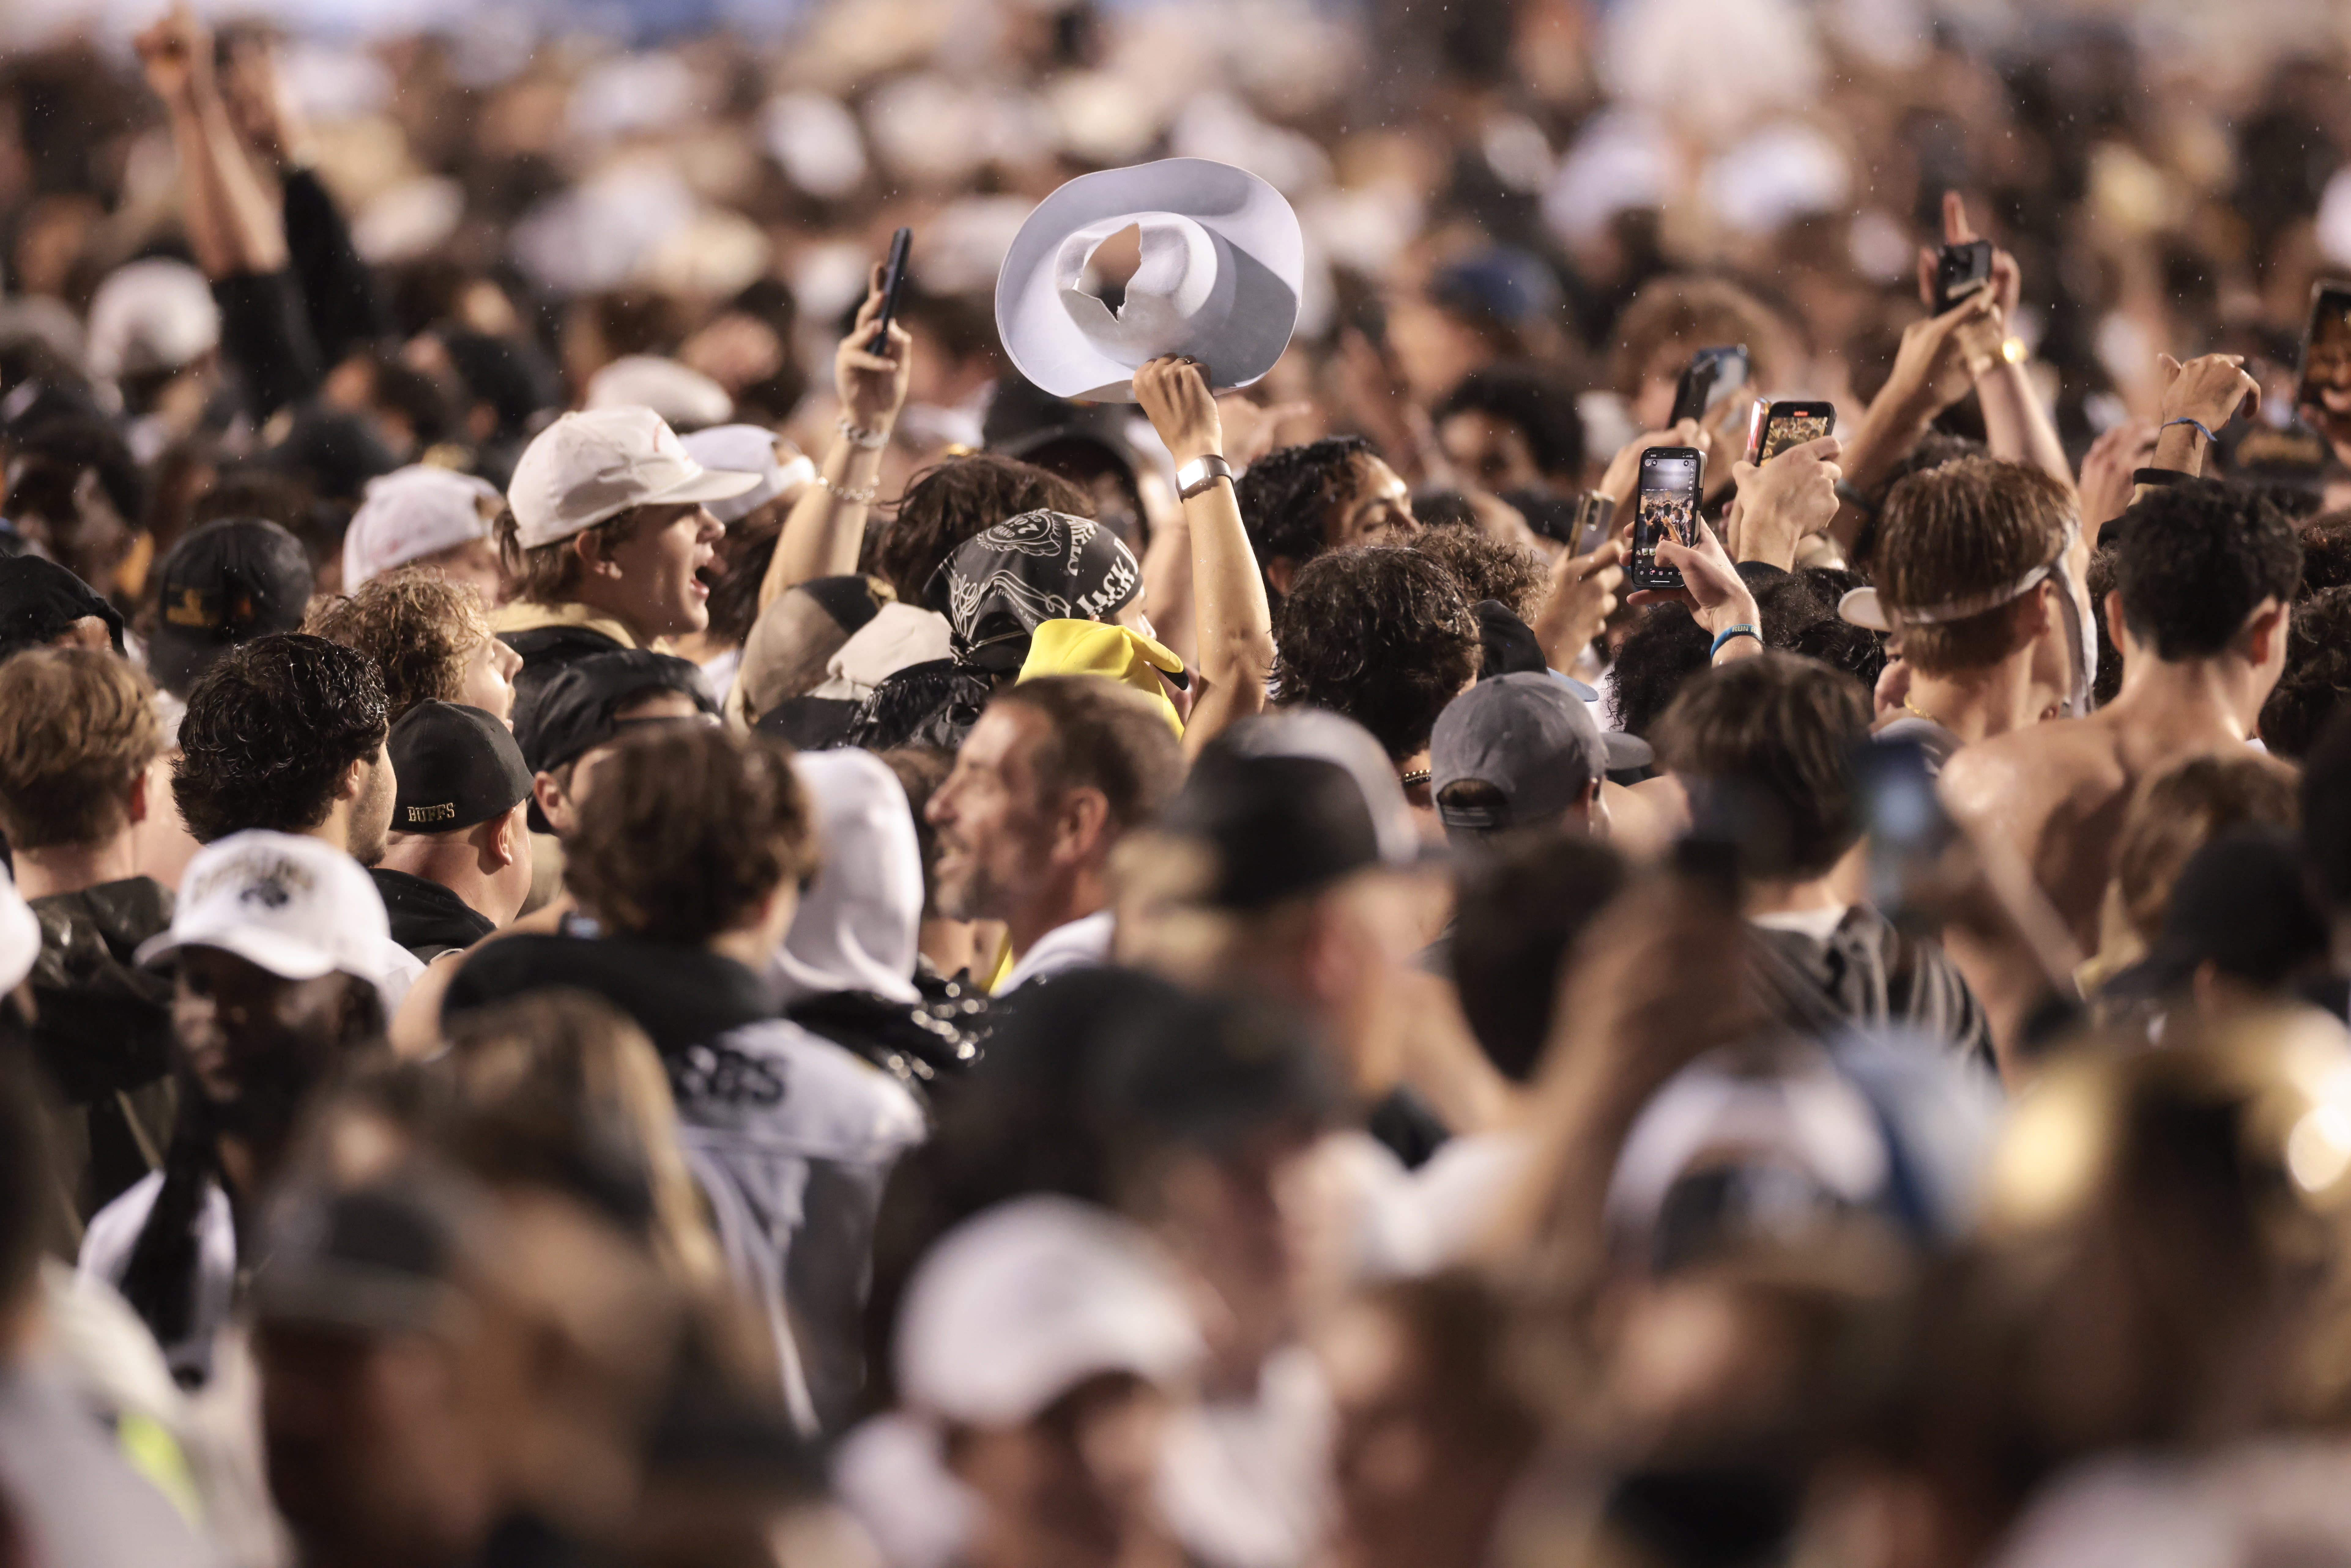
20 934
748 449
298 908
151 315
1013 1308
587 468
412 512
679 393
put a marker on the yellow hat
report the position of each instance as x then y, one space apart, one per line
1104 648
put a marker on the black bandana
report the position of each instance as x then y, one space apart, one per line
1001 585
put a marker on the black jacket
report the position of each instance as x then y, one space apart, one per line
426 917
104 1033
934 703
544 651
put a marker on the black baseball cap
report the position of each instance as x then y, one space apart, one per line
2242 904
573 715
1531 738
456 766
224 583
39 600
1288 804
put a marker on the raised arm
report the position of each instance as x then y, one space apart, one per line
1233 625
232 225
1939 360
2016 426
825 529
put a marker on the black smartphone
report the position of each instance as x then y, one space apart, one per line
1667 498
1711 375
894 280
2323 381
1776 426
1959 271
1593 515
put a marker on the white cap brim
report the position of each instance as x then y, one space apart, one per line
1864 609
285 957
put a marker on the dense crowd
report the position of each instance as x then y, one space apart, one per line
1644 858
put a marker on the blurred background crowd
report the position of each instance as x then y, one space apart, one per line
1551 1219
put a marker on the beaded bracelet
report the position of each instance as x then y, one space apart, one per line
849 493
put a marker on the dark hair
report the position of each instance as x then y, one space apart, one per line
1765 746
2195 560
1380 633
65 447
1969 527
2327 551
1933 450
2326 812
1106 737
1285 497
734 598
270 730
950 502
1517 914
550 573
1459 1325
687 829
1666 648
2100 581
27 1189
1487 568
1537 398
2317 675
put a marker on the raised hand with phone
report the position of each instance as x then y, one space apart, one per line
826 527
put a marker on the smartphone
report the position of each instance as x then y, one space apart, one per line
1776 426
1667 498
1711 375
2323 381
1960 270
894 280
1593 515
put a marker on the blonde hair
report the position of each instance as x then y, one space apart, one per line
78 726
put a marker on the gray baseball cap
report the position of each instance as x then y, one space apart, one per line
1531 738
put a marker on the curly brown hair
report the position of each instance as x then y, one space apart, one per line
550 574
1488 568
78 726
1380 633
948 502
420 628
687 829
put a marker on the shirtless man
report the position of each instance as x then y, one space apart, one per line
2204 583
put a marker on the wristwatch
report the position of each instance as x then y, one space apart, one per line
1197 475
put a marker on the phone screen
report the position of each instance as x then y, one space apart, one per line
2326 380
1792 424
1959 271
1667 499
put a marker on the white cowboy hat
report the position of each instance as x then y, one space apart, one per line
1222 260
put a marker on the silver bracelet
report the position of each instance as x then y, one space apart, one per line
847 493
871 440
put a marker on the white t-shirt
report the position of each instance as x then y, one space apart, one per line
1082 944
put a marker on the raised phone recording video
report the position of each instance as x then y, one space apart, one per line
1667 499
